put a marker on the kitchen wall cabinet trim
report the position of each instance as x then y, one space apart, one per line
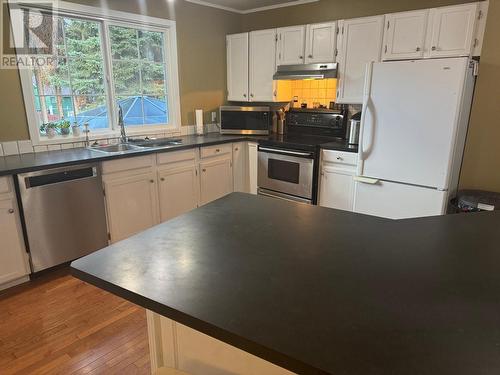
360 41
291 45
237 67
321 41
405 35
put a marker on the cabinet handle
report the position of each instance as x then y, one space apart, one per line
152 181
11 211
217 150
244 95
236 149
203 170
434 48
251 95
417 49
339 158
310 56
162 179
301 57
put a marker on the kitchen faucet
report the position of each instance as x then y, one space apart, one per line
121 124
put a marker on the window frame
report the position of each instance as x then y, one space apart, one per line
108 18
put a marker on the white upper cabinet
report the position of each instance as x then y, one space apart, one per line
452 30
291 45
321 40
404 36
360 41
262 65
237 67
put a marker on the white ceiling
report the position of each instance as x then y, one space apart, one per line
249 6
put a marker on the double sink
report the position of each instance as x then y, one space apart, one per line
133 146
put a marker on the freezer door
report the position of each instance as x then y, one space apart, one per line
398 201
409 124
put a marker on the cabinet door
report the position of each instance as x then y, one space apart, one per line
321 39
336 188
178 190
240 180
252 167
132 204
291 43
453 30
237 67
262 65
216 179
404 36
361 42
13 263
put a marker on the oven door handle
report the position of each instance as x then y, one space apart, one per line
286 152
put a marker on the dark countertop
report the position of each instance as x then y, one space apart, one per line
317 290
35 161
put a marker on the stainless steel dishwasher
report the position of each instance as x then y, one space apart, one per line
64 214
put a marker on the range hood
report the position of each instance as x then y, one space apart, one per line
306 71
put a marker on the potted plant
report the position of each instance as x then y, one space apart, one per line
75 128
49 129
64 127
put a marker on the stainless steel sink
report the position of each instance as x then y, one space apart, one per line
159 143
120 148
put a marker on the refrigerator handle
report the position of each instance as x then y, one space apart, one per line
366 98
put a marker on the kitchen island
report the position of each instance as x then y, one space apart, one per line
254 285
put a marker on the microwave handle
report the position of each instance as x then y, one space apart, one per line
285 152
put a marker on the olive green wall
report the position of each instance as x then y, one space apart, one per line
481 165
201 47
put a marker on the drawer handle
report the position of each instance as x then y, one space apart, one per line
162 179
203 170
310 56
11 211
152 181
434 48
339 158
236 149
217 150
417 49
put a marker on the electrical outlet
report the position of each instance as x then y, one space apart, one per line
214 117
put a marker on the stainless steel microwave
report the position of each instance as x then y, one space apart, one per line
245 120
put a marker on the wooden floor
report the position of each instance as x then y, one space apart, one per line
60 325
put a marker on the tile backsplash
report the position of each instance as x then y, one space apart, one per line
321 91
26 146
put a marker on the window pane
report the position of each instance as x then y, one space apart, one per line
151 45
87 76
155 110
132 108
153 78
82 38
52 79
91 109
123 42
126 77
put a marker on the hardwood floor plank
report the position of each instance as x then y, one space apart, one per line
58 324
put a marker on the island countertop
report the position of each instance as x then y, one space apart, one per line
316 290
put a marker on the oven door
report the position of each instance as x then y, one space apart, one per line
286 171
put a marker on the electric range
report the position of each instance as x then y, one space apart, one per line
288 164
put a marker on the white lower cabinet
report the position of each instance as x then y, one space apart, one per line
336 186
13 257
216 177
178 191
131 203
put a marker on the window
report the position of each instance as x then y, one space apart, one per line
98 65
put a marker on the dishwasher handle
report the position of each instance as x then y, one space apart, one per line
60 176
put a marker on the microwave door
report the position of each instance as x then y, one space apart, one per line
244 121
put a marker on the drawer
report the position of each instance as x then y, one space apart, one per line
340 157
209 151
4 185
126 164
176 156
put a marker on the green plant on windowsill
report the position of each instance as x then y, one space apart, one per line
64 127
49 128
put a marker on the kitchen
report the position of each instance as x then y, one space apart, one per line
359 63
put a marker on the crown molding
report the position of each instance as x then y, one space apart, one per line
253 10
